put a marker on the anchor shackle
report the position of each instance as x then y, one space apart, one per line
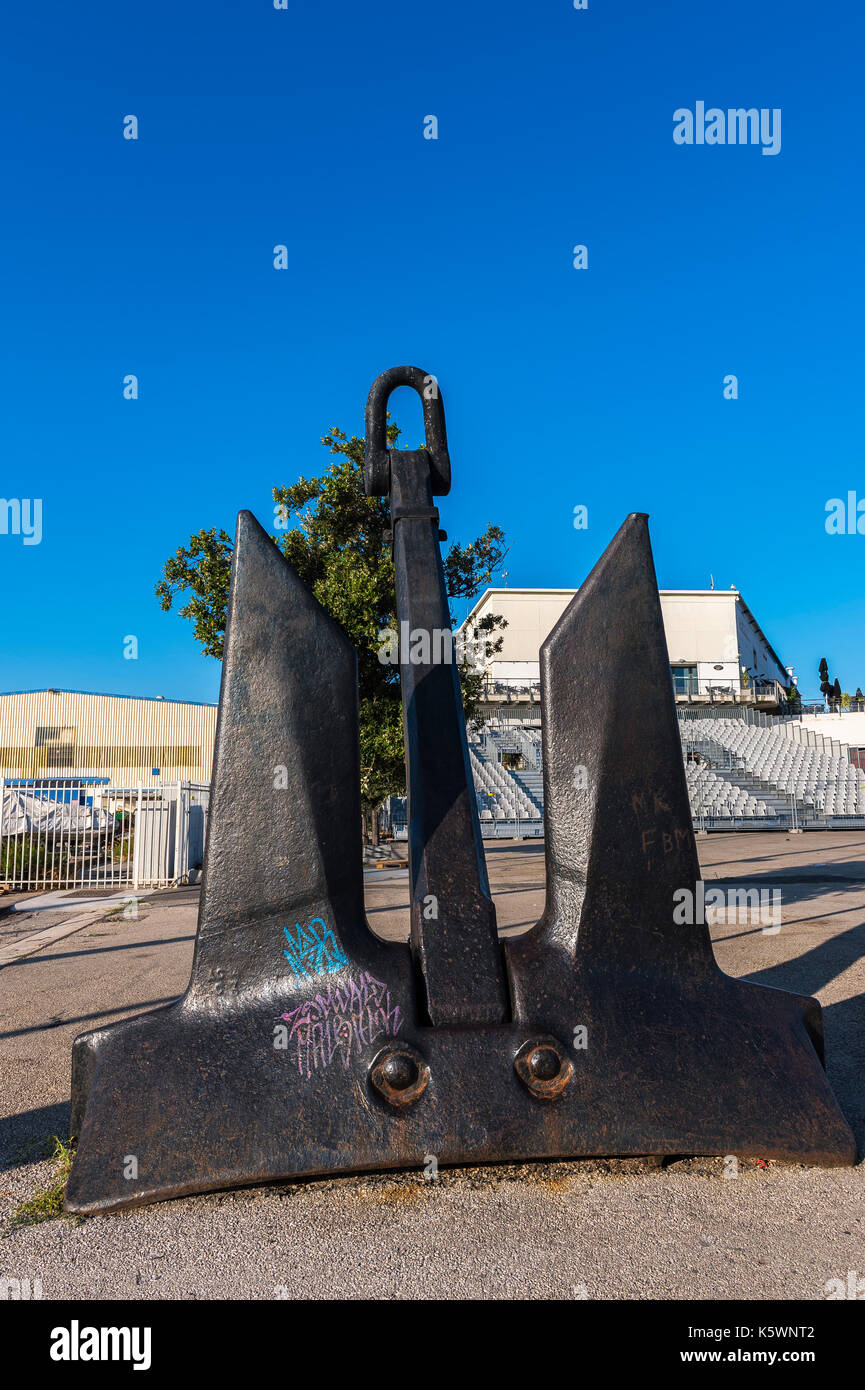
377 456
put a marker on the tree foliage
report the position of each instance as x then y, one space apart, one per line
825 682
338 541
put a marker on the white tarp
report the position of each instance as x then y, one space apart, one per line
25 810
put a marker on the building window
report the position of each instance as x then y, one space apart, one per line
56 744
685 680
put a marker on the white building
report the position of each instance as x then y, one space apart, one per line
718 651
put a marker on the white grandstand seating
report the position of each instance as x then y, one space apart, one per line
737 773
752 774
500 795
816 778
714 796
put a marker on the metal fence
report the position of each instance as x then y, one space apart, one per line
791 818
787 817
516 828
67 834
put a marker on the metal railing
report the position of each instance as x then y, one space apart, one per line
718 692
516 828
518 690
707 817
505 736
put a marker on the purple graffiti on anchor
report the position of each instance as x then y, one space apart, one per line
341 1022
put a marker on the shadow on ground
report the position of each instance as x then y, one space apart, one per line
24 1138
844 1022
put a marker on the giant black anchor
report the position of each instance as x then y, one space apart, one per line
304 1045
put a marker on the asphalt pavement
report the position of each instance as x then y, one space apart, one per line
591 1229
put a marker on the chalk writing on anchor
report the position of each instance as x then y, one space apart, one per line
341 1022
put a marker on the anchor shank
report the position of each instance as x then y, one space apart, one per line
453 923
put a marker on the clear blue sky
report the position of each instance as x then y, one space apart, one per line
602 387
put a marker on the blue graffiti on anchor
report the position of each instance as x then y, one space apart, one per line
312 952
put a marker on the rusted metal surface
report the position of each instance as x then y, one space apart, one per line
306 1046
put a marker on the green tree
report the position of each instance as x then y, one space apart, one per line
794 699
338 540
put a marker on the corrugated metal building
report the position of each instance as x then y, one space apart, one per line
131 741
